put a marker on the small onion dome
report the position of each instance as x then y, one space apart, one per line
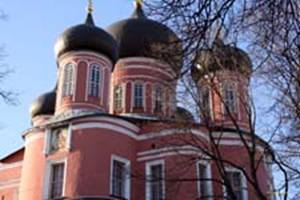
183 114
43 105
221 57
139 36
86 36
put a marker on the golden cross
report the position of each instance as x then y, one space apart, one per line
138 3
90 7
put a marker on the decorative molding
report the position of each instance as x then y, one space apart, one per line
4 166
167 154
143 77
108 126
86 55
66 108
147 67
117 121
15 183
146 61
165 149
33 137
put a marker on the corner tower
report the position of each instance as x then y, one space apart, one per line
86 56
222 75
145 76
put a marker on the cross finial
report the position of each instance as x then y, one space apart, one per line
90 7
138 3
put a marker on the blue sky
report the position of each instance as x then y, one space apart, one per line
29 35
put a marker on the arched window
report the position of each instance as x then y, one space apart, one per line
68 80
205 101
229 99
158 99
94 81
138 95
118 96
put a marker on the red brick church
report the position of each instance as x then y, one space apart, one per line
111 127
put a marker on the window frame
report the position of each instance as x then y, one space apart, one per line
243 180
127 187
120 99
162 99
233 88
209 106
148 174
68 80
95 86
208 175
142 97
49 176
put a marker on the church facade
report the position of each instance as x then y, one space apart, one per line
111 127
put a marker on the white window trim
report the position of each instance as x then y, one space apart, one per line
47 139
237 103
163 98
106 82
244 183
87 81
48 175
132 94
75 69
73 76
208 175
148 174
128 179
101 71
101 81
69 137
210 99
123 87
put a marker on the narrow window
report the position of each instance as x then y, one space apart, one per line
203 191
158 99
155 182
235 178
205 102
68 80
120 179
229 98
58 139
57 179
94 83
118 97
138 95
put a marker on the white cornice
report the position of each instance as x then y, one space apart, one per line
10 166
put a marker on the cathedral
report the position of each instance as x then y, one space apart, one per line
111 128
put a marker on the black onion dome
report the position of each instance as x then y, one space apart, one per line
86 36
222 56
139 36
43 105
